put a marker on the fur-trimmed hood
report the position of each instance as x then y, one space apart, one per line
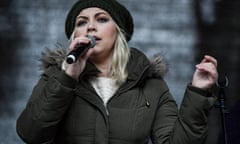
157 66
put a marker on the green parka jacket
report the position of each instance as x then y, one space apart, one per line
64 111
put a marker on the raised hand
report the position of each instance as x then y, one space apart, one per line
206 73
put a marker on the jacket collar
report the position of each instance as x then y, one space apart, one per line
139 65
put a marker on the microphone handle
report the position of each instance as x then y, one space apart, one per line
76 53
80 50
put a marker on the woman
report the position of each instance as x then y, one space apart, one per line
112 94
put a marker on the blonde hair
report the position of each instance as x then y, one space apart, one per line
120 56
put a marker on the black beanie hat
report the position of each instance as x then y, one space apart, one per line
117 11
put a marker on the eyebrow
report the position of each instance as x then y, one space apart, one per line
96 15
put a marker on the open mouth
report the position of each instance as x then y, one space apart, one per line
97 38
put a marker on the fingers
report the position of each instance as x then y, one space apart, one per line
207 67
207 64
75 45
77 41
210 59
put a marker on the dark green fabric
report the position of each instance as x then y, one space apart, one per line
142 108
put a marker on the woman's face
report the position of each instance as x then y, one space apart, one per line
99 24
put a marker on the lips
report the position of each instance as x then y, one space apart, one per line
97 38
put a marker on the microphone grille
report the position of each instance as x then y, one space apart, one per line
92 41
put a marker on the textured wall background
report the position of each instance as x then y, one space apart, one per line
183 30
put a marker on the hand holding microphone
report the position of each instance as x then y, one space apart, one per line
73 67
80 50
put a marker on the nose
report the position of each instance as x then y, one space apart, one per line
91 26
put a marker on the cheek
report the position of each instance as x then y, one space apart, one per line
111 38
78 32
111 33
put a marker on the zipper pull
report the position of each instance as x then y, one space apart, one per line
147 104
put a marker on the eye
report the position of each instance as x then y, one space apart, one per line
81 23
102 19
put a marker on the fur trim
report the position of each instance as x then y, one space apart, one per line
158 67
53 57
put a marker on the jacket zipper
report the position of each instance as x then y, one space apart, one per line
118 92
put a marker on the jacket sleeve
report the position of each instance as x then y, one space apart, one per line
48 103
186 126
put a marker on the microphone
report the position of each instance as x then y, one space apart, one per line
80 50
